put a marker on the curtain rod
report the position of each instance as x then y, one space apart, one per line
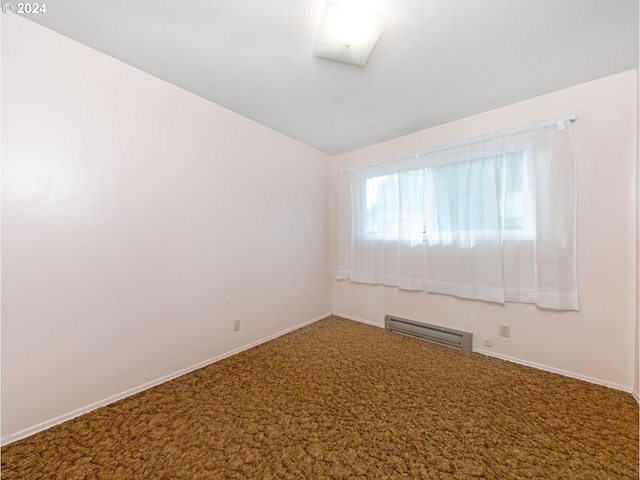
512 131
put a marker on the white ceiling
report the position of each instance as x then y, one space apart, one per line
437 61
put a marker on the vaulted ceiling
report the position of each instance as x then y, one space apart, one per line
437 61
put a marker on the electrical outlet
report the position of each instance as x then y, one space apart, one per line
505 331
487 343
236 325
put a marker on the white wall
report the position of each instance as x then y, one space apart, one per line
139 221
596 343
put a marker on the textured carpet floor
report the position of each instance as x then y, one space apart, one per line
339 399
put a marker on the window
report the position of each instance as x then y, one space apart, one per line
485 198
482 199
393 205
380 217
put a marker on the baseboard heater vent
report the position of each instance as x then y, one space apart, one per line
430 333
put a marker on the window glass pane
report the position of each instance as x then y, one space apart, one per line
383 207
394 205
486 198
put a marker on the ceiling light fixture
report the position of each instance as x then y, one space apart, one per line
350 30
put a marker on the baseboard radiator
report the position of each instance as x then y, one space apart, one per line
430 333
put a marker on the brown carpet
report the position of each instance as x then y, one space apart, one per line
339 399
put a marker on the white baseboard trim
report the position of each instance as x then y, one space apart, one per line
538 366
559 371
127 393
361 320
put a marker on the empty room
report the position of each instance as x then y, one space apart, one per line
309 239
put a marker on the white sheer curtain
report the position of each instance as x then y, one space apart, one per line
495 217
381 224
502 219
